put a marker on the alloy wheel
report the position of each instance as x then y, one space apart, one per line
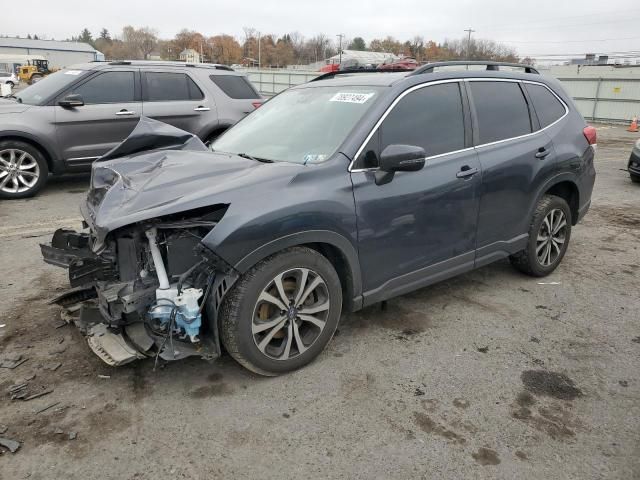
551 237
290 314
19 171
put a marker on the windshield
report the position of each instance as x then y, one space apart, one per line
42 90
304 125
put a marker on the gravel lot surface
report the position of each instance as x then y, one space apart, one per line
489 375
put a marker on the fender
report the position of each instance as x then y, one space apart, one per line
311 236
550 182
55 166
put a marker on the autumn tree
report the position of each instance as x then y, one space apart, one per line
140 42
225 49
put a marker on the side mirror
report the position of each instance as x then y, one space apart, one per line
399 158
71 101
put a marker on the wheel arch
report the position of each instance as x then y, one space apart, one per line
333 246
563 186
567 190
35 142
215 131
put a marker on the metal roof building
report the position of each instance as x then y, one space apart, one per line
59 54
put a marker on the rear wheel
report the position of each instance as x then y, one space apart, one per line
635 178
549 236
35 78
282 313
23 169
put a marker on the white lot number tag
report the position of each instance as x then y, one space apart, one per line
348 97
73 72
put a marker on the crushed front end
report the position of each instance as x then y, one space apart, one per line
152 290
142 283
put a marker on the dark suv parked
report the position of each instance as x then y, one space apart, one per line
334 195
68 119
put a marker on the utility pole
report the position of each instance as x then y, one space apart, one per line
340 36
469 31
259 50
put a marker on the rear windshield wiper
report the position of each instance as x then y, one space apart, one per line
256 159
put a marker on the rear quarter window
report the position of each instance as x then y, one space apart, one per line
235 86
548 108
501 109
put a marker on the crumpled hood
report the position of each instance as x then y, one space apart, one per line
150 184
12 106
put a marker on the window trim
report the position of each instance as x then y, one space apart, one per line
533 107
458 80
145 87
137 98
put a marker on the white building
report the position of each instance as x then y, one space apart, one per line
59 54
189 55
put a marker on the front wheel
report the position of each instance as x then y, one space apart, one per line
282 313
549 236
23 169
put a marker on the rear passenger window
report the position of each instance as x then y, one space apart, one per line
501 109
165 86
235 86
430 117
547 106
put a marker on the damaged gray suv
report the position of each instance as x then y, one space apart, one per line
349 190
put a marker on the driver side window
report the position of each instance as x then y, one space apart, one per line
431 117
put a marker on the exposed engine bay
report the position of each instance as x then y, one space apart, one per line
147 291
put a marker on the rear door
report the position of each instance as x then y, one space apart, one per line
516 157
111 111
237 96
176 99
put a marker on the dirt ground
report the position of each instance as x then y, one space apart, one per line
489 375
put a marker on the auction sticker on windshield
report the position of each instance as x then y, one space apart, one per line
73 72
349 97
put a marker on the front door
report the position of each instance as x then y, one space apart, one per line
111 110
421 226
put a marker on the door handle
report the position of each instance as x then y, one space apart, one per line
201 109
125 112
542 153
466 172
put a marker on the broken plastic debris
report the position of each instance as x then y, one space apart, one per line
9 444
44 409
12 361
73 435
104 376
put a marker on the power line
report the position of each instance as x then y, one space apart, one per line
571 41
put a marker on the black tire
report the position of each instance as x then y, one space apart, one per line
43 168
35 79
635 178
12 84
241 305
527 261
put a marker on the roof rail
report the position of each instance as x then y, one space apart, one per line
161 63
429 67
328 75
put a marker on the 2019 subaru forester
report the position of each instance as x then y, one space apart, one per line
336 194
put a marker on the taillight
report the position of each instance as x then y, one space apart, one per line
590 135
256 104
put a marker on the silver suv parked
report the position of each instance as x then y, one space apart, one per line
70 118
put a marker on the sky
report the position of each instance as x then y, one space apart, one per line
555 28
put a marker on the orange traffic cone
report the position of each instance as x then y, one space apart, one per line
634 125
